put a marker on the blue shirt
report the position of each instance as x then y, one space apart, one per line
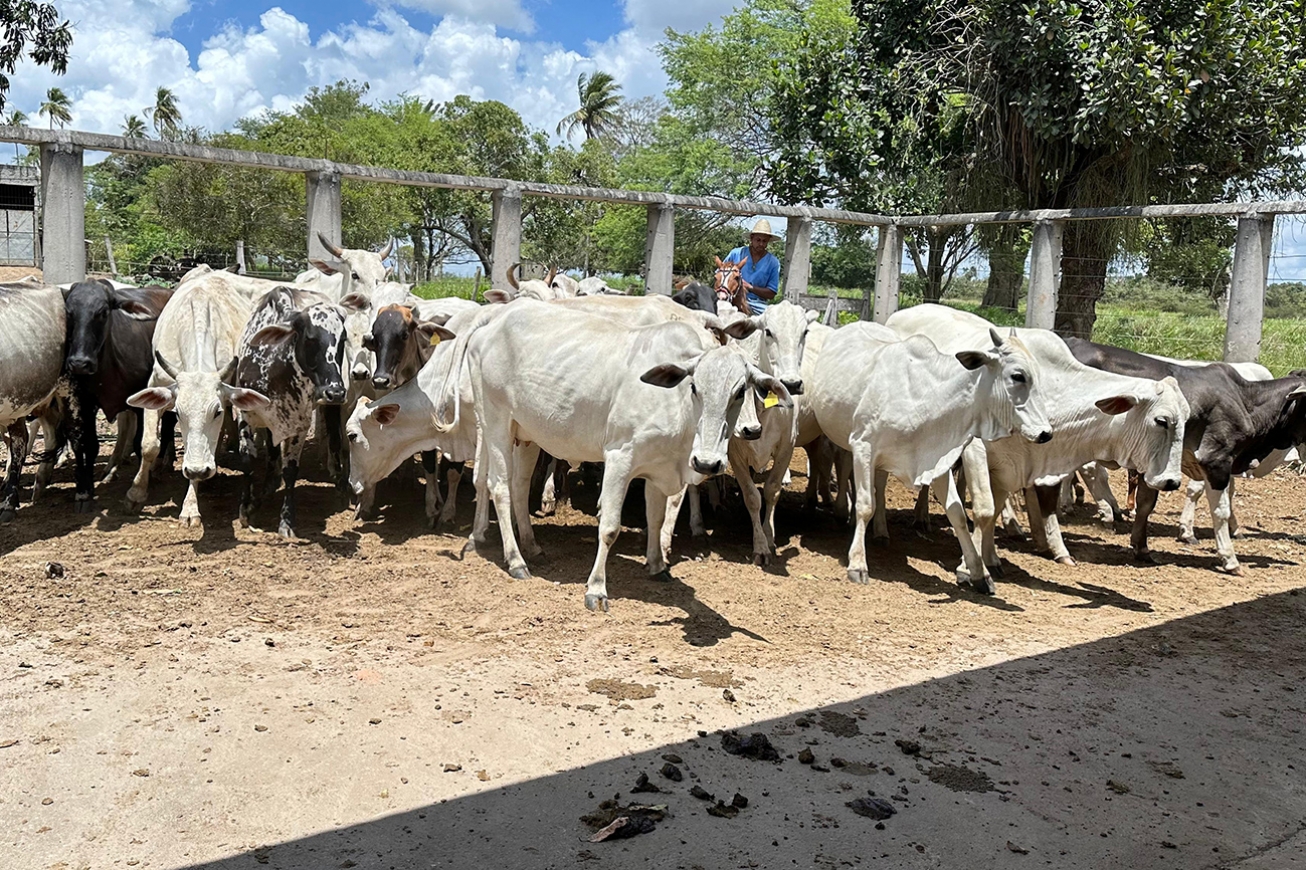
764 273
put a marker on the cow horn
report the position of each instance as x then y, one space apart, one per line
335 250
389 246
553 273
165 365
226 375
515 267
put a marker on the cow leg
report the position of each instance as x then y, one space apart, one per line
168 438
128 428
523 464
431 464
753 504
774 483
655 511
149 452
696 528
983 505
669 525
972 569
1221 502
863 463
454 477
1066 495
17 443
1144 504
1233 514
86 446
843 470
1188 516
500 473
366 508
1098 481
290 452
1131 498
340 476
480 478
1048 496
880 523
272 464
616 479
549 497
248 452
190 505
921 518
1037 528
49 449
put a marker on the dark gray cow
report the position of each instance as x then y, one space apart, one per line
1234 423
32 330
109 357
293 352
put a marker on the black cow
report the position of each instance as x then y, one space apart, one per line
108 357
696 297
402 344
1233 424
293 352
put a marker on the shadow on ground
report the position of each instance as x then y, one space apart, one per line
1172 746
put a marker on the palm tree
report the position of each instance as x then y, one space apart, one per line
166 115
17 118
599 105
133 127
56 107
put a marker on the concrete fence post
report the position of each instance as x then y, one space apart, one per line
660 249
1044 275
63 213
1251 268
323 191
798 258
888 272
505 251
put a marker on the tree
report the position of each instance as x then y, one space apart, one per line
600 104
1063 105
33 29
133 127
165 113
16 118
56 107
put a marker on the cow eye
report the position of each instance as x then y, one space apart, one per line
217 412
353 437
770 334
353 275
692 388
739 393
1163 422
1018 377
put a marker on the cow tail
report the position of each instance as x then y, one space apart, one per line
453 374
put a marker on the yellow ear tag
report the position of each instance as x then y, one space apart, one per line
435 339
771 400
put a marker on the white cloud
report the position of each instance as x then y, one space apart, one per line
121 53
505 13
652 17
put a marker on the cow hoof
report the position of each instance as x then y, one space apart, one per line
663 576
859 577
1234 570
190 522
984 586
286 531
596 602
879 540
7 515
997 571
1238 533
761 559
1066 560
520 573
536 555
84 504
1145 558
1190 540
133 506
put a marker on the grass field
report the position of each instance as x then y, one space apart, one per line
1135 313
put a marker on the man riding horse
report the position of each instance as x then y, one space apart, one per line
750 275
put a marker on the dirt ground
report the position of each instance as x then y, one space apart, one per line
364 698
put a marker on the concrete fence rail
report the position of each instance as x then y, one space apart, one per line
64 251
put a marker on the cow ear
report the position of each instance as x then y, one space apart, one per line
764 381
973 359
1300 391
384 415
246 400
153 399
274 334
813 316
369 341
665 375
433 333
1114 405
135 309
328 267
498 297
355 302
743 327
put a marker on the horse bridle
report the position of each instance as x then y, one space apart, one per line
723 291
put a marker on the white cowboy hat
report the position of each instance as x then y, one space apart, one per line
763 228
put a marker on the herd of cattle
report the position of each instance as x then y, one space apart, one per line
671 390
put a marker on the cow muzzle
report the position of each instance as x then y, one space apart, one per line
708 467
795 386
1166 484
751 433
201 473
381 382
81 365
1043 437
359 373
332 395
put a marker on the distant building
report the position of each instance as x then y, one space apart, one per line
19 243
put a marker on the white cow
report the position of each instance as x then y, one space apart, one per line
903 407
195 344
1097 416
347 271
596 286
656 402
32 333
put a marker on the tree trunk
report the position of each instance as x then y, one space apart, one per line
934 264
1086 250
1007 255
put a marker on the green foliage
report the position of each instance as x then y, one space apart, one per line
600 106
845 258
56 107
32 29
